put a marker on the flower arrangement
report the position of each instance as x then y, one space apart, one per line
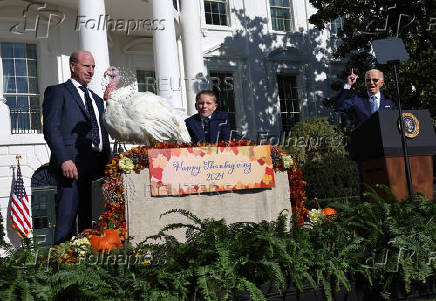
125 164
71 251
315 216
297 189
136 159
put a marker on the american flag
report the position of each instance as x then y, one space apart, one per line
20 209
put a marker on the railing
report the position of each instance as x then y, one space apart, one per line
25 119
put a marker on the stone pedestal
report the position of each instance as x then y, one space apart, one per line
143 210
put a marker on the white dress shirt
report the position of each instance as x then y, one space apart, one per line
99 147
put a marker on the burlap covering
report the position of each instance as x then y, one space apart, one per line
143 211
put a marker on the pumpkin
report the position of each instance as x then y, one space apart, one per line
329 213
108 239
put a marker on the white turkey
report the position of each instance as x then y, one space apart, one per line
140 117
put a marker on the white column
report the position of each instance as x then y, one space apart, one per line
195 69
1 82
93 37
166 62
5 122
5 116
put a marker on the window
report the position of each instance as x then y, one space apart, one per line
289 104
20 86
146 81
223 86
336 26
215 12
281 15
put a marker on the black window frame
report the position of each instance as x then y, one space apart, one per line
24 106
289 99
219 17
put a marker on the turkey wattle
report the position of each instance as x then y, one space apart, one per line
140 117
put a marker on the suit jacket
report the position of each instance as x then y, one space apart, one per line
67 125
359 106
219 127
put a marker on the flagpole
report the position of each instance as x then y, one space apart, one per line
20 206
18 157
18 160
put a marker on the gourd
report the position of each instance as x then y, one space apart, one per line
329 213
107 239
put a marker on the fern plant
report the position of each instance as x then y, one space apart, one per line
398 239
386 245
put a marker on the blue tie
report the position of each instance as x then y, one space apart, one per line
95 135
373 102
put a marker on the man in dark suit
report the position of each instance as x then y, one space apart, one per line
363 105
79 144
208 125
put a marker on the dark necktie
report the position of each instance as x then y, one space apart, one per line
206 129
95 130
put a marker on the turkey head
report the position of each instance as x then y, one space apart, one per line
114 78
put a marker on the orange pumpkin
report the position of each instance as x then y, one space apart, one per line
107 241
329 213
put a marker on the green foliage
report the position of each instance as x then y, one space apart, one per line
230 262
319 148
398 239
314 138
336 175
365 21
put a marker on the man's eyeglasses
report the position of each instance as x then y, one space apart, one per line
375 80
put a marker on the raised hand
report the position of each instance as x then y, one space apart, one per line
352 78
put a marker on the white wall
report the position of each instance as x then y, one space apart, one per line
251 39
34 153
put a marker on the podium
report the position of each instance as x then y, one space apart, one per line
376 145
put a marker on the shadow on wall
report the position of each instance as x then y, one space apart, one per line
264 55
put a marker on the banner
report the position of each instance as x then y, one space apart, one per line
178 171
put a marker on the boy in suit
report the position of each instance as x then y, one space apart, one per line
208 125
